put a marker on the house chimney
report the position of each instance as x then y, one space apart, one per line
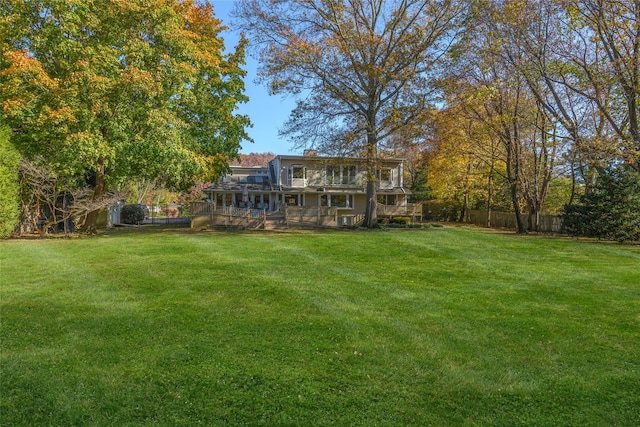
310 153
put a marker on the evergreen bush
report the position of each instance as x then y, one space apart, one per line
132 214
611 210
9 185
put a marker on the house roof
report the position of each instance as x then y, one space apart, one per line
257 188
233 187
248 167
331 158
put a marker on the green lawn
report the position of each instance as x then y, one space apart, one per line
447 326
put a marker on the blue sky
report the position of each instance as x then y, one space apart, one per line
267 113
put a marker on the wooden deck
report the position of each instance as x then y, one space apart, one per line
207 215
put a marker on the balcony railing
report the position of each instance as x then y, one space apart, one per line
200 208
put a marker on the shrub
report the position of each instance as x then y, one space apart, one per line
611 210
9 185
400 220
132 214
418 226
171 212
441 210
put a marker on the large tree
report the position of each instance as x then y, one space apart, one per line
604 46
364 68
111 90
581 60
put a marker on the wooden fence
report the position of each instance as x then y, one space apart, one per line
548 223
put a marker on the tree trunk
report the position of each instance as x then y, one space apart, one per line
91 223
513 168
522 229
28 220
489 195
464 215
371 215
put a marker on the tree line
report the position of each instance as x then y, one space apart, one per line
543 101
496 104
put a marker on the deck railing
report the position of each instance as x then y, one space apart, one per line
322 216
203 208
300 216
410 209
241 212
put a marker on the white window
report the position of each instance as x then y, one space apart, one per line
297 175
332 174
298 172
336 175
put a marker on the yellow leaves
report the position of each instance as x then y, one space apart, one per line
211 166
201 19
24 81
15 107
201 28
122 6
514 8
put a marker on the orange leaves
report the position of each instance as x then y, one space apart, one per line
201 19
25 69
200 32
57 117
24 83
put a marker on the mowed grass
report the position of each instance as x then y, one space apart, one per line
436 327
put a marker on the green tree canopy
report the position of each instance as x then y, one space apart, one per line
116 90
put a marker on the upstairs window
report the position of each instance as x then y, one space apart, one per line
385 174
349 175
340 175
332 174
298 172
297 175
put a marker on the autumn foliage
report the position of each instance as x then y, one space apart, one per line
121 90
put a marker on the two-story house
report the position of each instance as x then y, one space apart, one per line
310 186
